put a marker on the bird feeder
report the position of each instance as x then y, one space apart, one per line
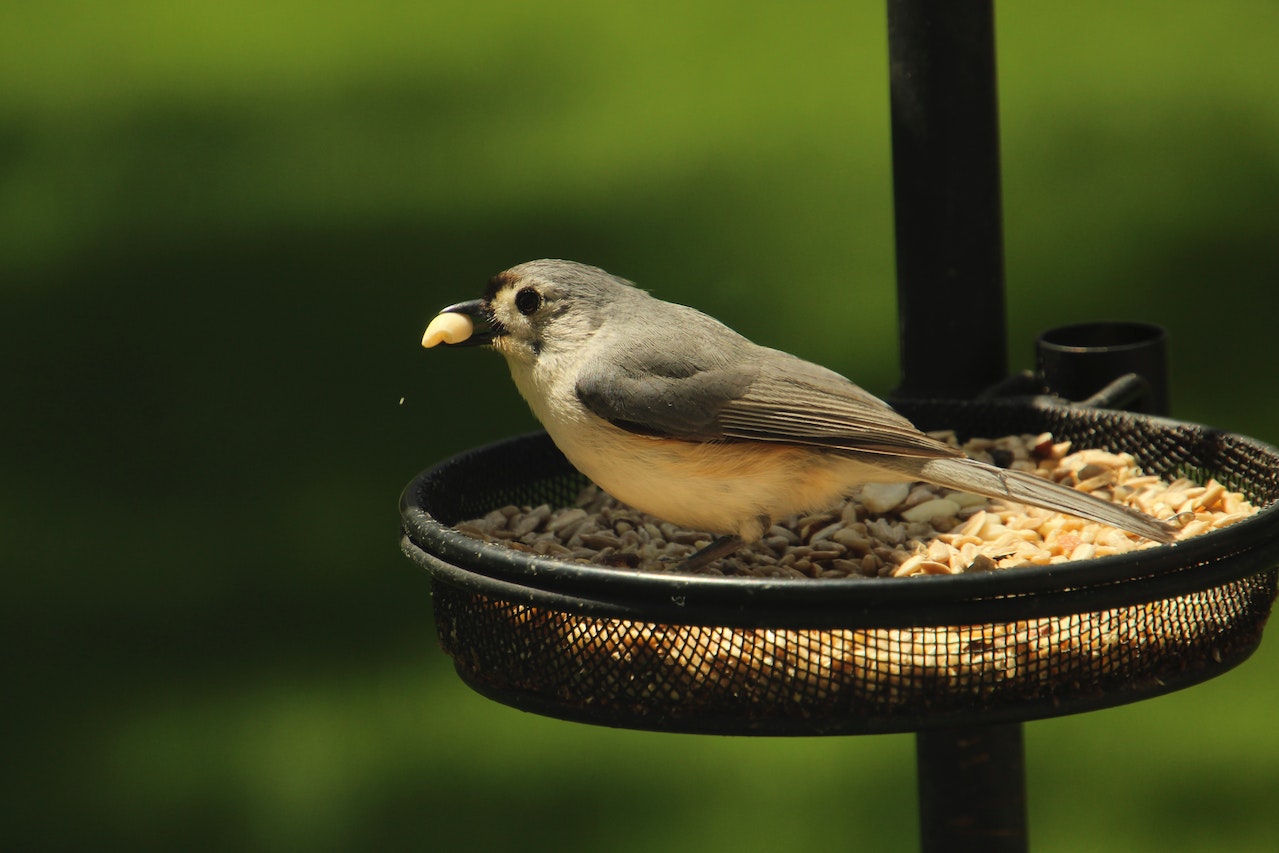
962 660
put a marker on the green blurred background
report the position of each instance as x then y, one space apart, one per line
222 229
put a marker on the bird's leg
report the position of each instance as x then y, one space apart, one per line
721 547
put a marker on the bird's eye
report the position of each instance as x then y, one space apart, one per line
528 300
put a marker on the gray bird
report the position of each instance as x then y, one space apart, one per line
672 412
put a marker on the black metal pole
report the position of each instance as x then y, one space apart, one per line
972 788
950 252
950 292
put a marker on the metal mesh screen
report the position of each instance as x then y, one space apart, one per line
697 678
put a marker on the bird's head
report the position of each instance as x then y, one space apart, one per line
539 306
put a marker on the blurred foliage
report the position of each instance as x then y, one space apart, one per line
222 228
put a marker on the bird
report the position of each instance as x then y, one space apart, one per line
675 414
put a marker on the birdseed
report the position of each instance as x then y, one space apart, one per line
887 530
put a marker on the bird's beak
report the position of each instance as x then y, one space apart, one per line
485 330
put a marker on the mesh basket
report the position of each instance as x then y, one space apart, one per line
748 655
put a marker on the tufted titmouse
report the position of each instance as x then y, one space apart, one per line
677 415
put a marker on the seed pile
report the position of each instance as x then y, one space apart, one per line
887 530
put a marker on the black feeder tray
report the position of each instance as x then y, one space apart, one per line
961 660
724 655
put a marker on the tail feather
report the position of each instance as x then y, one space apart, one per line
969 475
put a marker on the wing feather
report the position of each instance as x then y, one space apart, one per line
743 392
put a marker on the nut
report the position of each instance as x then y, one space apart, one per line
449 328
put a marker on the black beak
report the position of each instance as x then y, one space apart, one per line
476 310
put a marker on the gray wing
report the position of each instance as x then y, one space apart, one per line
798 402
740 391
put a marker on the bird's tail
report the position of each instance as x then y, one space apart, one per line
969 475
